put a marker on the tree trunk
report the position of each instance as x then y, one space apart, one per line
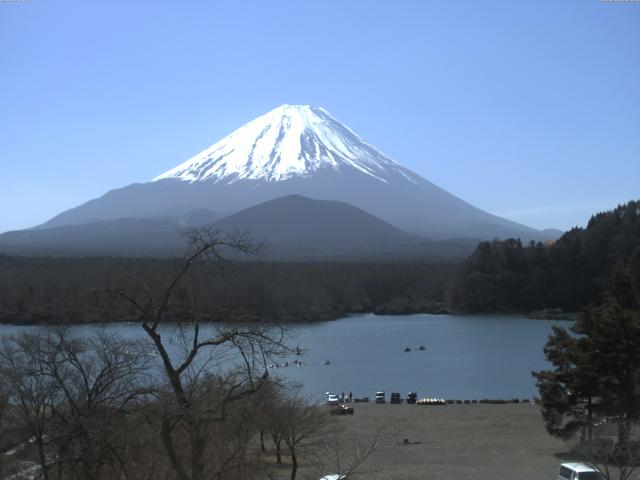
624 429
165 434
277 441
589 419
198 445
294 464
43 458
262 447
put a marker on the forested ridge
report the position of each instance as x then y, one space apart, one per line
61 290
569 274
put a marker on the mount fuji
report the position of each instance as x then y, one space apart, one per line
297 150
289 141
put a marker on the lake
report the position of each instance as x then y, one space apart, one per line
466 356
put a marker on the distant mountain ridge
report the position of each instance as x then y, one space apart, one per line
292 227
298 217
297 226
132 236
299 149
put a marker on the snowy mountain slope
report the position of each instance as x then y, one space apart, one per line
300 150
291 140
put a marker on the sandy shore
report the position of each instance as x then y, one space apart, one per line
458 442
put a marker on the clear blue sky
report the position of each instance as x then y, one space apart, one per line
528 109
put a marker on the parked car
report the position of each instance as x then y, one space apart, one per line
332 399
395 398
380 397
342 410
412 397
578 471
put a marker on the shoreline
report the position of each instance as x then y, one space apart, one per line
245 319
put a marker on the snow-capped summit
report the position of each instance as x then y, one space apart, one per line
288 141
298 150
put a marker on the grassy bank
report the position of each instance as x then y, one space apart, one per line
455 442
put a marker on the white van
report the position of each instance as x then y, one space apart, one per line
578 471
332 399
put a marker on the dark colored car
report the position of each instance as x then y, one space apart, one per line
342 410
412 397
396 398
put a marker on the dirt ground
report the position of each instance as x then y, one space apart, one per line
458 442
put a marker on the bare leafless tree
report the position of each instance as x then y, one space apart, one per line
67 395
305 423
5 435
615 459
293 425
347 455
268 417
31 394
206 370
100 378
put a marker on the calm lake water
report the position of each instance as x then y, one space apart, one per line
466 357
